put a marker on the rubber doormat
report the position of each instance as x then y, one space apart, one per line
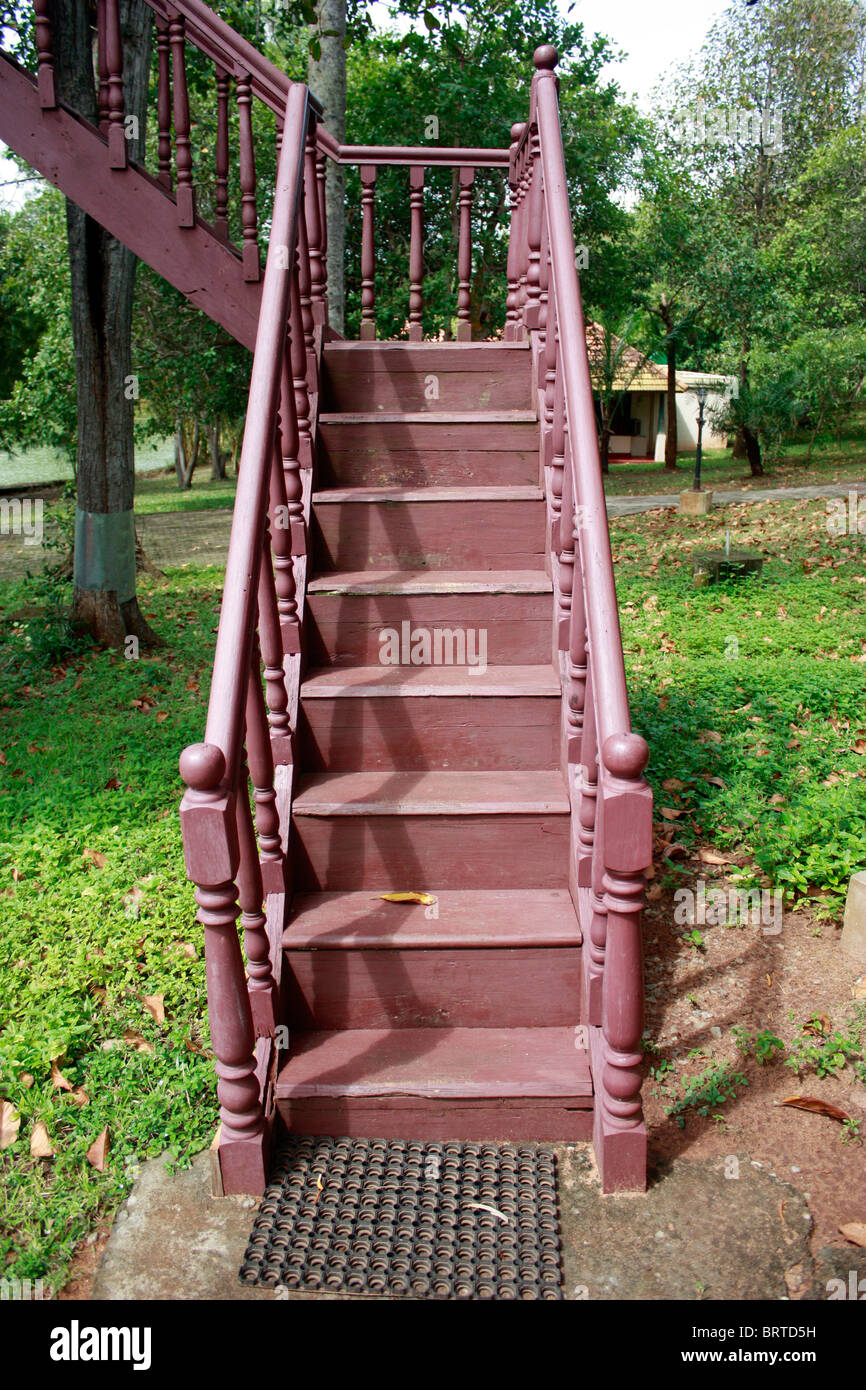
387 1217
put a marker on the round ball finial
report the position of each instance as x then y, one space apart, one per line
516 131
202 766
545 57
625 755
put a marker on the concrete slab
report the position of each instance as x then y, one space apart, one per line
698 1233
853 939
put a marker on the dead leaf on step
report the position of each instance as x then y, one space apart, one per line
816 1106
98 1151
58 1080
10 1123
40 1145
855 1231
426 898
712 856
155 1005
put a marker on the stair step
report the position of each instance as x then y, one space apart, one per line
432 794
363 582
384 829
429 528
352 614
492 448
464 921
438 1083
427 377
421 718
392 682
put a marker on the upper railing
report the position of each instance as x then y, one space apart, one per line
611 802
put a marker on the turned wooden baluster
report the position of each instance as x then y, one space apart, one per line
588 786
513 330
306 304
313 221
416 255
576 661
221 218
251 894
565 560
464 258
281 546
163 103
276 693
211 851
45 53
558 442
551 330
247 167
101 68
185 194
300 364
626 833
523 242
273 860
114 63
293 488
534 218
321 177
368 254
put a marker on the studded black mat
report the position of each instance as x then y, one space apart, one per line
399 1219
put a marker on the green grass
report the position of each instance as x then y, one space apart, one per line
757 685
160 493
97 911
836 458
85 769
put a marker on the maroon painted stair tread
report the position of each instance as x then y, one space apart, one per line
432 794
488 418
348 682
468 493
365 582
440 1064
466 919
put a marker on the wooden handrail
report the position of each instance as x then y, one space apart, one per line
231 658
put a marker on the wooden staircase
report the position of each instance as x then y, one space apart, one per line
456 1019
418 682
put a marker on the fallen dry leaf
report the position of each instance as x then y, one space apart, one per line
58 1080
79 1096
712 856
709 736
654 892
162 716
671 812
40 1145
113 784
137 1041
672 784
96 857
155 1005
858 989
26 1079
817 1107
10 1123
426 898
855 1231
187 949
98 1151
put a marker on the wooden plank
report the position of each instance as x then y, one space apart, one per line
340 921
346 463
440 1063
432 582
397 681
496 1121
437 988
431 794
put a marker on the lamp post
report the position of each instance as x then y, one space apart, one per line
701 394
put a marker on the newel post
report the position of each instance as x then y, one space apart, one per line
211 851
626 851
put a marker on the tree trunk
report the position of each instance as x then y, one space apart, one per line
217 457
326 77
604 447
671 423
753 451
102 275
